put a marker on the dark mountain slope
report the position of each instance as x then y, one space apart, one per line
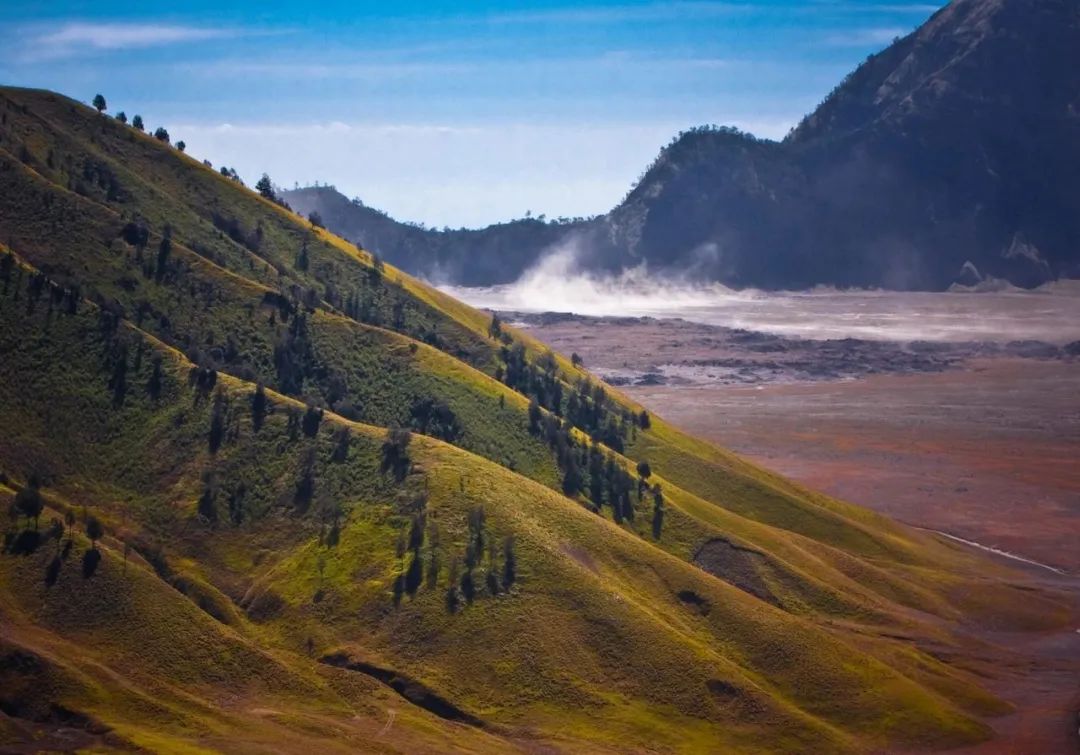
468 257
959 143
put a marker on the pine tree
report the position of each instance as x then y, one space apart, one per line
28 501
658 512
415 573
265 187
258 407
509 563
164 249
94 530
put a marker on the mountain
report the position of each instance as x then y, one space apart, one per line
959 143
468 257
267 494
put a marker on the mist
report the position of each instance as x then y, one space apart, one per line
559 284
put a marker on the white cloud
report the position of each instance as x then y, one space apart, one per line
375 70
387 67
74 38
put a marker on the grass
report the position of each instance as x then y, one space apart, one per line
226 576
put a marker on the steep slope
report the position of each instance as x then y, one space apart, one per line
278 574
957 144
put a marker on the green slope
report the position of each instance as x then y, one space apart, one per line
244 559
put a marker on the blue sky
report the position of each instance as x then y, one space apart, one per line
450 113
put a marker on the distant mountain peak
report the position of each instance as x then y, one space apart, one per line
941 149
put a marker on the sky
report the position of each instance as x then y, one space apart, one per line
450 113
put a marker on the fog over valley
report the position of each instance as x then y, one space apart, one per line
1049 313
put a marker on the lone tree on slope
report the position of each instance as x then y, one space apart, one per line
94 530
28 501
265 187
99 103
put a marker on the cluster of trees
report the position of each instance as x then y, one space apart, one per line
29 504
231 174
487 564
588 469
482 568
411 577
586 406
160 133
555 409
58 297
231 227
432 416
265 187
157 267
294 356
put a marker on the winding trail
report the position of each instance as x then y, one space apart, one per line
995 551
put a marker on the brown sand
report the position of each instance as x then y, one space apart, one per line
984 449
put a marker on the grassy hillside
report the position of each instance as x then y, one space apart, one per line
212 380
